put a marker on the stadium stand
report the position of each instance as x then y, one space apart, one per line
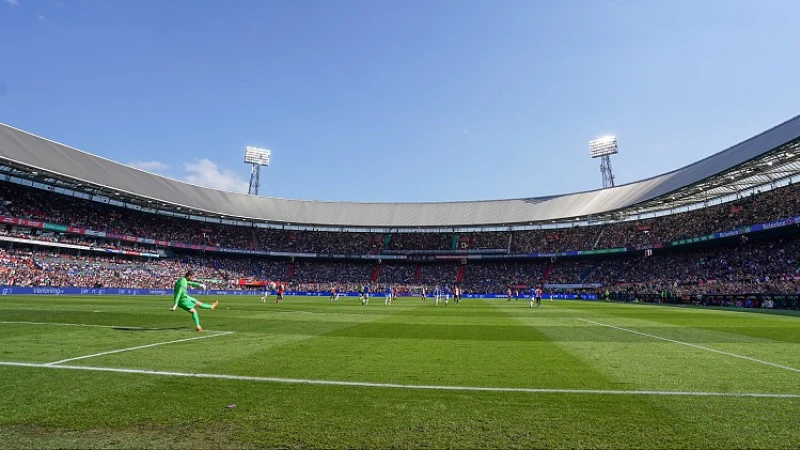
757 267
41 205
722 231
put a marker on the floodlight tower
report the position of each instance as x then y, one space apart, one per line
603 148
256 157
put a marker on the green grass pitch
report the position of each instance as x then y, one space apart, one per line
570 374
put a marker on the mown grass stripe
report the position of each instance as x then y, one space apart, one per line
139 347
699 347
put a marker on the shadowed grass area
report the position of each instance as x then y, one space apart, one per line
484 343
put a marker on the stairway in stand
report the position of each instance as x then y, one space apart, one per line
376 272
547 271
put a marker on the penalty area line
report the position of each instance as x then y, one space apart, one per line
699 347
139 347
401 386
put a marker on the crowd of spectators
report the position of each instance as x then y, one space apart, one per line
486 240
23 267
41 205
757 267
497 277
571 271
74 239
269 269
317 241
779 203
554 240
744 262
38 266
433 274
415 241
767 266
397 273
332 272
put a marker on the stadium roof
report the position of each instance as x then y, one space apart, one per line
770 156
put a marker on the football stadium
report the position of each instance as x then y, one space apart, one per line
660 313
418 251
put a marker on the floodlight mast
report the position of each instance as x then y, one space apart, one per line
256 157
603 148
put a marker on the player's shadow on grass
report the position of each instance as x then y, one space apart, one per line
147 329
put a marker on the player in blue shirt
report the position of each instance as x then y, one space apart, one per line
388 292
365 295
446 295
437 293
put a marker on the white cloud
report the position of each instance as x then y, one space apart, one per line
41 17
150 166
205 172
13 2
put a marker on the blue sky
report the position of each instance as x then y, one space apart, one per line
408 100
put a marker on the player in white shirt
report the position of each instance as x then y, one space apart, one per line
267 290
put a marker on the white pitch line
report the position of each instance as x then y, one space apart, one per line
402 386
88 325
73 325
699 347
111 352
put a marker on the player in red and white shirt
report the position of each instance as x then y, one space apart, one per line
280 293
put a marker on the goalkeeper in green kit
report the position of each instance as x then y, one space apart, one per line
187 303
